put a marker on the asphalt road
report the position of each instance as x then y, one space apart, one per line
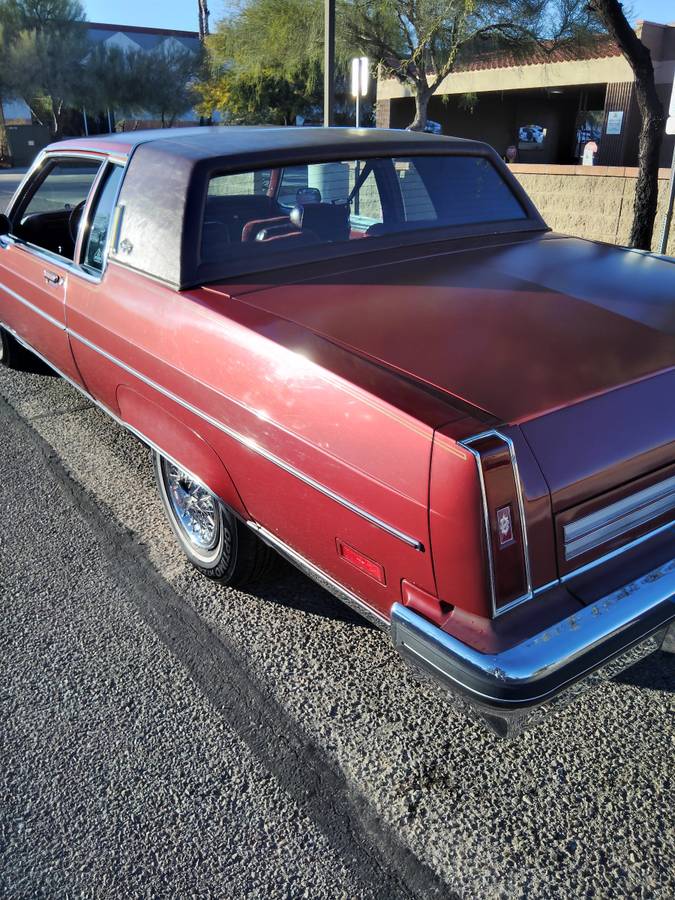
163 736
10 179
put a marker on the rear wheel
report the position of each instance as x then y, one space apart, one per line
12 354
217 544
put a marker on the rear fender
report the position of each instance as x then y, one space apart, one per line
176 440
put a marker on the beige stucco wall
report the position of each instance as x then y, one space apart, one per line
593 203
510 78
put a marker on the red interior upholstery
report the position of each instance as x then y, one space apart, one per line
251 229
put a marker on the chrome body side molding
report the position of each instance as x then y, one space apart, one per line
300 562
320 577
247 442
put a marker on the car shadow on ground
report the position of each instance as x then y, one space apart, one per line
656 672
290 588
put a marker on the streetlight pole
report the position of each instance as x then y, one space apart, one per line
329 62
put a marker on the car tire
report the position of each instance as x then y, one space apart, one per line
216 542
13 355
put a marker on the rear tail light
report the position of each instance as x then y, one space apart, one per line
505 528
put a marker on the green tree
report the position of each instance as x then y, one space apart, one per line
167 81
45 42
265 62
419 42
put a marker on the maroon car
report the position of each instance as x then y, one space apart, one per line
367 351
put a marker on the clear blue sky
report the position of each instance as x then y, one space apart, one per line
183 13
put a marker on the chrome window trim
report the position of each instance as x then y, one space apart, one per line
530 593
86 221
247 442
589 532
73 266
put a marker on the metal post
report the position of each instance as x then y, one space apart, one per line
358 111
668 218
86 123
329 63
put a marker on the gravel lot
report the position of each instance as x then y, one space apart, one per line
167 737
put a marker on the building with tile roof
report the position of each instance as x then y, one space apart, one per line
548 105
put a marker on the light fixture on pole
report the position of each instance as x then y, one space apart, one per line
360 75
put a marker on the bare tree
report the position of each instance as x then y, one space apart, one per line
612 16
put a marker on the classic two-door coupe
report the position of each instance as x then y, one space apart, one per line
366 350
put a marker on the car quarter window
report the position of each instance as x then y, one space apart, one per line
253 216
100 219
49 216
242 184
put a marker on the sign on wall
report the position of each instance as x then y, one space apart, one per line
670 122
614 122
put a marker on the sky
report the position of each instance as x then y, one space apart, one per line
182 14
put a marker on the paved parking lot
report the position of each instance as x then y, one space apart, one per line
167 737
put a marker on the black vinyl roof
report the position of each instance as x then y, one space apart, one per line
164 188
207 142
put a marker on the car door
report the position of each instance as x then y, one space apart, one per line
37 259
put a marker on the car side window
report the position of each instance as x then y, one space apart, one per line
67 184
101 219
50 216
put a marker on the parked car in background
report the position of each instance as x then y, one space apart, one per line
367 352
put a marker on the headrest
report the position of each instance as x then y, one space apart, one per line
328 221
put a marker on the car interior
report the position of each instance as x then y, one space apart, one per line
54 231
49 216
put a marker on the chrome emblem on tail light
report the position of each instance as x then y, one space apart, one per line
505 526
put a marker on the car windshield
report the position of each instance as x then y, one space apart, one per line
251 218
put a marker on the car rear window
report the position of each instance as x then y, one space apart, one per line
253 217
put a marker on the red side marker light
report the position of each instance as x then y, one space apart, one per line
361 562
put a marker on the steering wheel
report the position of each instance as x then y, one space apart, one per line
74 220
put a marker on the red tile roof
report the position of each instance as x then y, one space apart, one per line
501 59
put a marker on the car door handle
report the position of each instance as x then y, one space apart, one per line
52 277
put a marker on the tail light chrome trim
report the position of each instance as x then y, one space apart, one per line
529 593
592 531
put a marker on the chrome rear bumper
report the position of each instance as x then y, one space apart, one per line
517 686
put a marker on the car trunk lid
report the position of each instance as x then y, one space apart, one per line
516 330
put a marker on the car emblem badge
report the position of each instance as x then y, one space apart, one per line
505 526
